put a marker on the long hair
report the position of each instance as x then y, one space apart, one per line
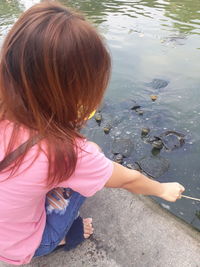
54 69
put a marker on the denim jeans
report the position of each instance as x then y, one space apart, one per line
58 223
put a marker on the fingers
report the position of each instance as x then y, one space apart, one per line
172 191
181 189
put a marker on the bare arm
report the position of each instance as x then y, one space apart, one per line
138 183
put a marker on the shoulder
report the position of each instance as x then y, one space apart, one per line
93 169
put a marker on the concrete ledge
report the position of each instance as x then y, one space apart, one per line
130 231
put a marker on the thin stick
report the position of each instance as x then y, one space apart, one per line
193 198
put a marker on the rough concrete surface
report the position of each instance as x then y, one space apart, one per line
130 231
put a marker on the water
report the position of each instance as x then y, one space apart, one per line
151 39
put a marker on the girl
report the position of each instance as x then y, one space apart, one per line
54 70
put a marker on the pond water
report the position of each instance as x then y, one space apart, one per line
147 40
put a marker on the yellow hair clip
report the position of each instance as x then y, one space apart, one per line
92 114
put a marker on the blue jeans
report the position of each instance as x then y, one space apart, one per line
58 223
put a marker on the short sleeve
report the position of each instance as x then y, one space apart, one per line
92 171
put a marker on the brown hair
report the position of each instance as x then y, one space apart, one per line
54 69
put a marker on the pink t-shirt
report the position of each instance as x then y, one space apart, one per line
22 198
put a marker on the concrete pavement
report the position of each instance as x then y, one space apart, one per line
130 231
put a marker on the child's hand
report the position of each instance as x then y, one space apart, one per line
172 191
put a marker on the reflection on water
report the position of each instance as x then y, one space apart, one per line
9 10
182 15
151 39
185 15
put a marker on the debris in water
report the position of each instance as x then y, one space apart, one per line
153 97
107 128
145 131
98 117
